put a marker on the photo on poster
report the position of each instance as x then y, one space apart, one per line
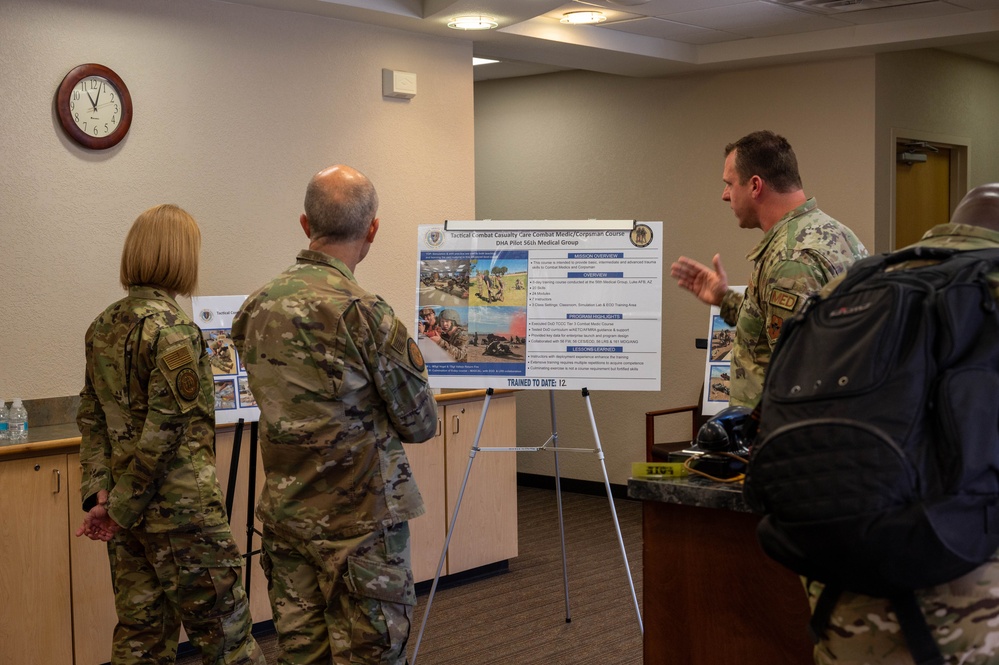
225 395
444 283
221 352
717 370
718 384
497 334
245 396
722 338
442 334
498 281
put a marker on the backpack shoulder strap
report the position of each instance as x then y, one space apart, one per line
824 607
918 635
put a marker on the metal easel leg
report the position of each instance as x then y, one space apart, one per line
610 497
558 499
454 519
251 492
251 502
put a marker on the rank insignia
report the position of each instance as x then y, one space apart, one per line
188 384
415 356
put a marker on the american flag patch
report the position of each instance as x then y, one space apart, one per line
178 357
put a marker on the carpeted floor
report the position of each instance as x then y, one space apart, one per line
519 617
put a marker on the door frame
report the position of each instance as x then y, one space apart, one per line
959 147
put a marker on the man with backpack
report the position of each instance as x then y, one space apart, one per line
898 497
801 250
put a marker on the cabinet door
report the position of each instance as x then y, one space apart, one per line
94 616
427 532
486 530
36 625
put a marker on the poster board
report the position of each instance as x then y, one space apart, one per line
540 304
233 400
717 366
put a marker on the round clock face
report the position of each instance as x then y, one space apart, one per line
94 106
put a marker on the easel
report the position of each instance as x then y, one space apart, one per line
553 439
251 491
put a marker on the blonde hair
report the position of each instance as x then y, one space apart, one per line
161 249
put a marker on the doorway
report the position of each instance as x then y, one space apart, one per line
930 179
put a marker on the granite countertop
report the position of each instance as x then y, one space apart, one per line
56 431
689 491
44 440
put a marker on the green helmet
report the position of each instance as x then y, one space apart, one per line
450 315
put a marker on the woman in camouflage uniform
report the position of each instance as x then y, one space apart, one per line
149 483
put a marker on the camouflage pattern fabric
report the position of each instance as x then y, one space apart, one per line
454 342
350 600
147 421
797 256
340 385
964 613
164 579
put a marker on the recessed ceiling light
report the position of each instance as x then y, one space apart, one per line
582 18
472 23
482 61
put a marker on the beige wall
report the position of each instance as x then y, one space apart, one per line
235 108
580 145
934 95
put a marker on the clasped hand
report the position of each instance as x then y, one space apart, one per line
97 524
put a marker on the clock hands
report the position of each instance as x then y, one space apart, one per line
92 102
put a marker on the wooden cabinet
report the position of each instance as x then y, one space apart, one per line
56 598
486 529
94 616
36 624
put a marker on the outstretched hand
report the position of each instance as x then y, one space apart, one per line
97 524
708 285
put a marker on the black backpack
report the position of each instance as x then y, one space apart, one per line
876 464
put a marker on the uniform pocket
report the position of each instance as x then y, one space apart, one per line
381 581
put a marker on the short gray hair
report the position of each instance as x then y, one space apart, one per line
340 211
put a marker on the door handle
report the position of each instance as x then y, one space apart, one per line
58 481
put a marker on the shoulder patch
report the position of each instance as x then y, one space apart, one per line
415 356
178 357
188 384
773 328
397 337
783 299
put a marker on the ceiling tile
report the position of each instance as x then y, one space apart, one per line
757 19
671 30
901 13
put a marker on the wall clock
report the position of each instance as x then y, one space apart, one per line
94 106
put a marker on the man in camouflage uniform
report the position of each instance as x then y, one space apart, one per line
802 249
147 421
963 614
451 336
340 385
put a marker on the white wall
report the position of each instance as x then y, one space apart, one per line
235 108
580 145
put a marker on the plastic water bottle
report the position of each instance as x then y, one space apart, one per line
17 422
4 431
